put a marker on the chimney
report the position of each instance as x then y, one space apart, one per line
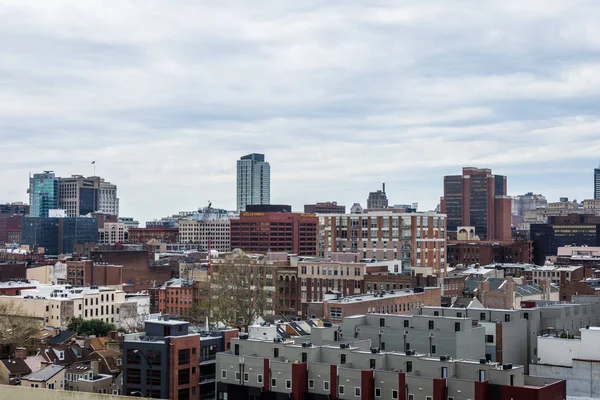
20 353
383 187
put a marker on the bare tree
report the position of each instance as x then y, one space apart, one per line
17 327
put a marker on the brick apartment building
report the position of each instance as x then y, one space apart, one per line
175 297
144 235
417 239
261 232
162 362
488 252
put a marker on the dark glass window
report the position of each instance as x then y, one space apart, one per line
132 357
183 376
134 376
184 356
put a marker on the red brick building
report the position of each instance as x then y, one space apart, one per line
175 297
144 235
10 228
261 232
88 273
489 252
330 207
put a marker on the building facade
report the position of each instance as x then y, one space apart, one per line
377 200
329 207
58 235
478 198
200 232
109 202
162 362
175 297
488 252
527 202
253 181
144 235
43 193
78 195
261 232
597 183
416 239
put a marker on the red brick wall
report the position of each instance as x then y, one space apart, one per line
179 343
135 268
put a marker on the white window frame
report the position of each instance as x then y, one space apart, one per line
326 385
238 376
341 389
288 384
246 377
357 392
376 390
394 394
223 374
311 383
273 382
259 378
411 396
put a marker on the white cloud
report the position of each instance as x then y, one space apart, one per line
340 96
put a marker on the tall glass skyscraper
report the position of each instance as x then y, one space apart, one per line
253 181
43 193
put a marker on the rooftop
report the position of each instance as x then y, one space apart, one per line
44 374
375 296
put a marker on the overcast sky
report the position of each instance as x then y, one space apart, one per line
341 96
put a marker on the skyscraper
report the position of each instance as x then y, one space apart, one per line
109 202
43 193
253 181
478 198
597 183
78 195
377 199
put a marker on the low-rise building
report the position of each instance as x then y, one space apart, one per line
50 377
14 368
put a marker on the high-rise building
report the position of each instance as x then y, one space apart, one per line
78 195
109 202
478 198
253 181
597 183
377 200
527 202
58 235
43 193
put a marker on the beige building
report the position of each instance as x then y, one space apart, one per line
195 231
51 377
41 274
111 233
58 304
417 239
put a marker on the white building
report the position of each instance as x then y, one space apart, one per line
198 232
111 233
134 311
109 202
253 181
576 360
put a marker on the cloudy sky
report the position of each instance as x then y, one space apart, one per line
340 96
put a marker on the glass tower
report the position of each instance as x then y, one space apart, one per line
43 193
597 183
253 181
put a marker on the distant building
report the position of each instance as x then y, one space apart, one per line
143 235
109 202
356 209
478 198
162 362
253 181
597 183
261 232
10 228
16 208
175 297
487 252
573 229
58 235
201 232
78 195
43 193
377 200
330 207
527 202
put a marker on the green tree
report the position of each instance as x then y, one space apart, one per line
95 327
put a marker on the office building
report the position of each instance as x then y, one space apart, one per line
144 235
43 193
329 207
200 232
10 228
527 202
261 232
333 363
78 195
58 235
478 198
417 239
484 252
597 183
377 200
109 202
253 181
569 230
16 208
162 362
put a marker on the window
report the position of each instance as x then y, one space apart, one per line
246 377
134 376
428 398
357 391
153 377
436 313
259 378
237 376
183 394
489 338
311 384
223 374
381 321
506 317
184 356
430 324
154 357
444 372
304 357
482 316
341 389
459 315
335 312
394 394
236 349
342 359
325 385
406 323
377 392
193 350
382 345
512 380
51 386
183 376
457 327
275 352
372 363
409 366
133 357
288 384
433 349
273 382
482 375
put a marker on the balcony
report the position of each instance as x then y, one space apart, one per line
205 379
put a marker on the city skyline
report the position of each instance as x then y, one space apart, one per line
340 98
